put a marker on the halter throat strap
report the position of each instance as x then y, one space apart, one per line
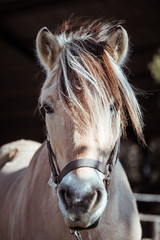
106 169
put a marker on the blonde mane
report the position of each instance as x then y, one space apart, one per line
89 79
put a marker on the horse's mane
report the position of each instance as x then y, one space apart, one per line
89 80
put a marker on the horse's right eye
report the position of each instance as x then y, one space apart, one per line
48 109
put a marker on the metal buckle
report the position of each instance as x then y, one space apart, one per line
51 182
76 234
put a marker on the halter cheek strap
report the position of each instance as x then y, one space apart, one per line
53 165
57 176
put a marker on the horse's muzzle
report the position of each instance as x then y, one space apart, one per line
82 200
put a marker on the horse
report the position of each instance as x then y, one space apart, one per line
86 101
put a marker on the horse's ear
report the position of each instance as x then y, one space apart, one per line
48 48
118 42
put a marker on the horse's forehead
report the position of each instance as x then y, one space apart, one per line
49 89
50 82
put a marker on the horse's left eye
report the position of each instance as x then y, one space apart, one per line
48 109
112 107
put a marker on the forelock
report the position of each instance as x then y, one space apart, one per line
80 28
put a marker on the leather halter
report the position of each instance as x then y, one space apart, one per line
106 169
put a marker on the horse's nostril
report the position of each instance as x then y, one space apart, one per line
62 195
99 195
66 196
94 199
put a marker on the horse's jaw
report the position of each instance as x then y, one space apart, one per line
94 225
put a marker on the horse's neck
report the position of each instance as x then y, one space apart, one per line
35 203
37 175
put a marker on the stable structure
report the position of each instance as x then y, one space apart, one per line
153 219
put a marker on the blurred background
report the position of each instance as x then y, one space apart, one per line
21 78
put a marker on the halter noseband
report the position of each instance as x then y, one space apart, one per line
58 175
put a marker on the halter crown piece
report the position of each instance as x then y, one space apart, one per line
57 175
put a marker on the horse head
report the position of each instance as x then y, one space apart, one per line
85 97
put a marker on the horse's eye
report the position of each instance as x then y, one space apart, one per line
112 107
48 109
